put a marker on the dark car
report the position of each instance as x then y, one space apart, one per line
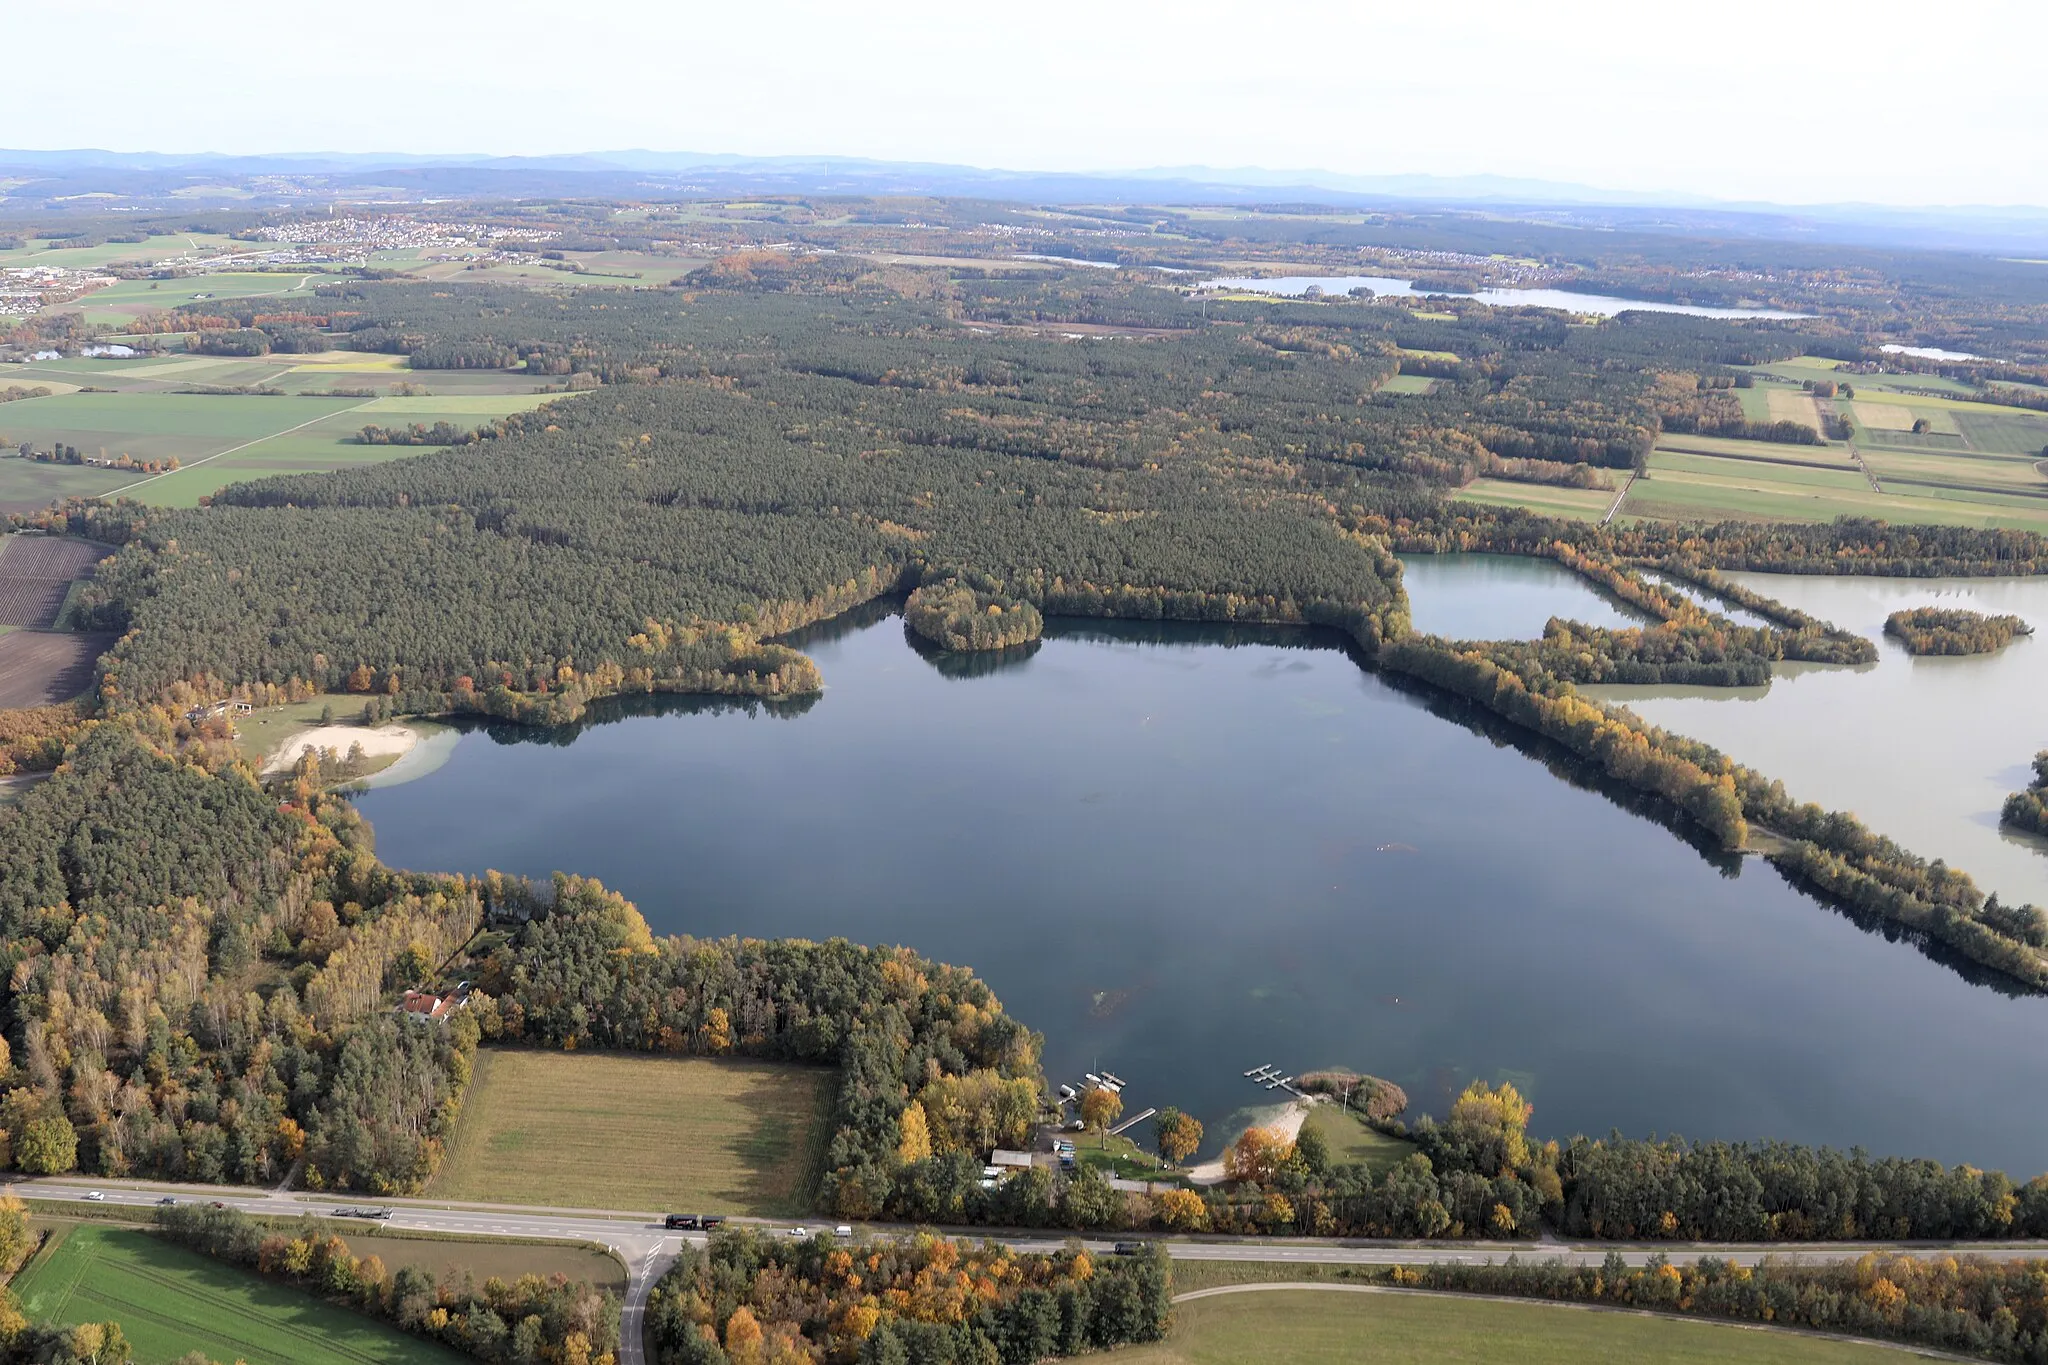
166 1201
680 1220
1130 1248
710 1221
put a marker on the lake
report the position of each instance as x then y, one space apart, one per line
1923 749
1181 852
1606 305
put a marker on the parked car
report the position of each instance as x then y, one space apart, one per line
95 1196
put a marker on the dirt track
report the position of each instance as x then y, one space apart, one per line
41 668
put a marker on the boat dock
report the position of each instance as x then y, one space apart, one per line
1267 1076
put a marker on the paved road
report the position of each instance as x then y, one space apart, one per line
648 1249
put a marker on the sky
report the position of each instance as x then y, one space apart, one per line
1791 101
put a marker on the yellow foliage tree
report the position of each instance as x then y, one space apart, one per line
1182 1210
1502 1114
742 1337
916 1142
1257 1155
1099 1108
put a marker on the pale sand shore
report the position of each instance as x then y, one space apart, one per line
385 741
1287 1124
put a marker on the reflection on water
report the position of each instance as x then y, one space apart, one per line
1922 749
1180 860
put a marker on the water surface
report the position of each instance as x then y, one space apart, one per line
1503 597
1183 852
1605 305
1923 749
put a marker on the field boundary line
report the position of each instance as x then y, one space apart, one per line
1216 1291
338 412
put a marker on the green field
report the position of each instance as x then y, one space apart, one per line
126 300
1315 1327
1352 1142
219 438
1407 383
170 1301
1688 486
1584 504
665 1134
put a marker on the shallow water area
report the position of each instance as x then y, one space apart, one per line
1923 749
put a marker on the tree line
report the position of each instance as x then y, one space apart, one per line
749 1297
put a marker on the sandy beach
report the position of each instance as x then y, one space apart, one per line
384 741
1287 1124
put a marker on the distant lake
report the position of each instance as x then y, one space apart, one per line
1923 749
1606 305
1928 352
1181 852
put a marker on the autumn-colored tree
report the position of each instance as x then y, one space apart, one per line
15 1238
717 1030
1179 1135
98 1343
1099 1108
47 1146
361 679
291 1139
742 1337
1182 1210
916 1142
1484 1113
1257 1155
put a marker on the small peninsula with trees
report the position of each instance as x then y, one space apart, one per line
1953 630
954 614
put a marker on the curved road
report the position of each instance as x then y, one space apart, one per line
647 1249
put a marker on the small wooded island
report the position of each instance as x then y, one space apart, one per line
1952 630
954 614
2028 809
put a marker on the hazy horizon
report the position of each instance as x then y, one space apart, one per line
1748 105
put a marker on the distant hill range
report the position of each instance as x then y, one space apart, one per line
41 182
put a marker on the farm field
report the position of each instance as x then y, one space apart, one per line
35 574
1407 383
593 1130
44 667
1586 504
508 1260
219 438
1689 486
1312 1327
1786 405
170 1301
1774 452
44 251
125 300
